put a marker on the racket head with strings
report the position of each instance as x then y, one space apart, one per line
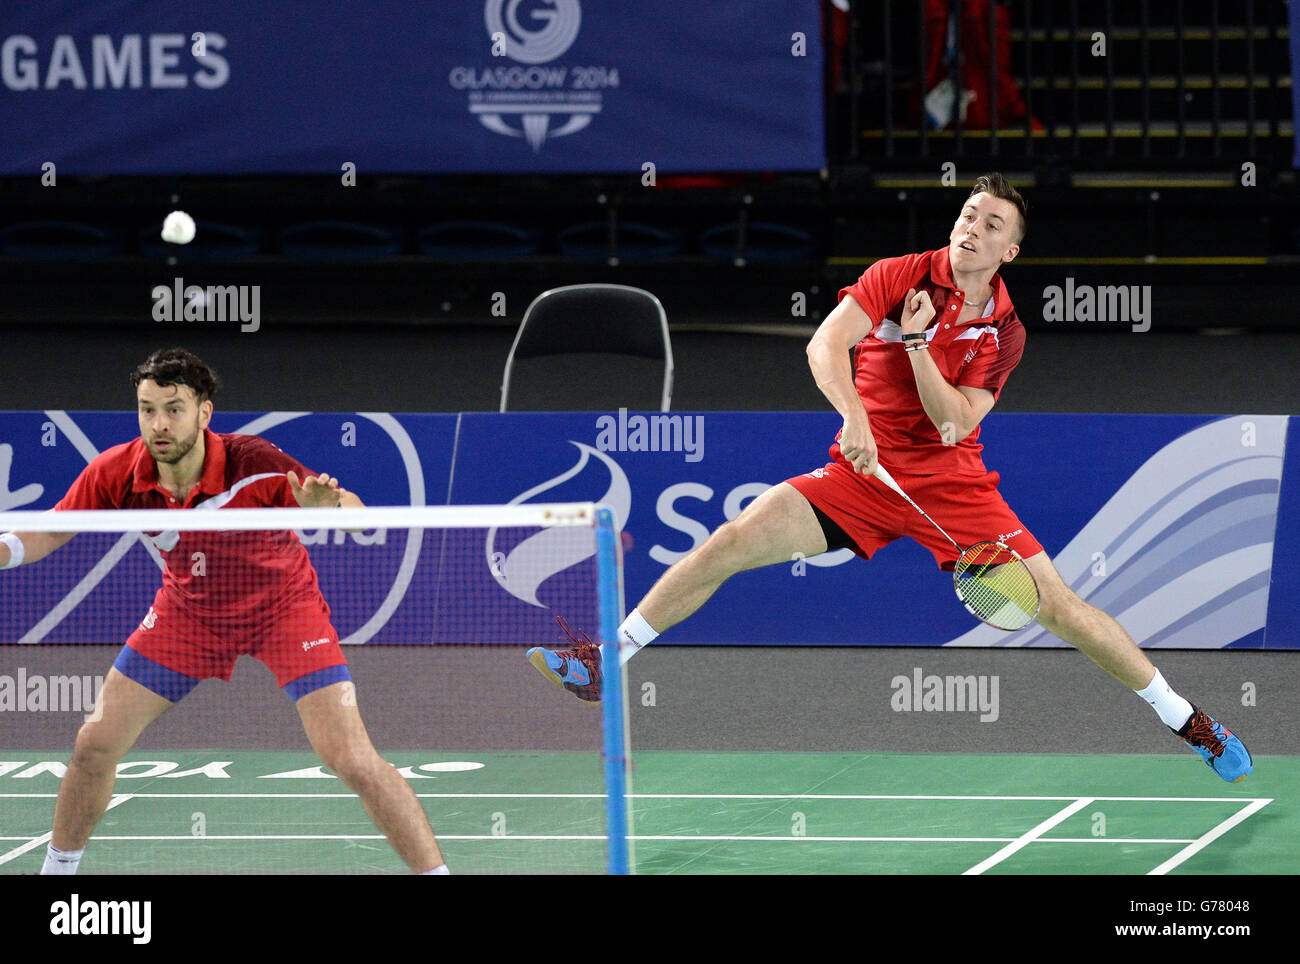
996 587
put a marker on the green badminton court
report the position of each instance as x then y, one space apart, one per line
211 811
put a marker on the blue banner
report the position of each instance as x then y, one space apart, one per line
1171 523
518 86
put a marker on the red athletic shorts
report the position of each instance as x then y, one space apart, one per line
968 507
298 645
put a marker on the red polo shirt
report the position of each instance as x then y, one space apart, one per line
980 353
224 579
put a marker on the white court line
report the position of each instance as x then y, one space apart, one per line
1013 843
513 836
45 837
674 796
1121 840
1027 838
1201 842
897 796
518 836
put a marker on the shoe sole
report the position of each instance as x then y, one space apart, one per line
539 661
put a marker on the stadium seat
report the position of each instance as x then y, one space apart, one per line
763 243
594 318
59 241
633 241
477 241
340 241
212 242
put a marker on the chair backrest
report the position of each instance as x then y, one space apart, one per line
590 318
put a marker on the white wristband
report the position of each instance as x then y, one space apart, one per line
17 551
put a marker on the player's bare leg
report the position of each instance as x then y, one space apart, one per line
771 529
121 714
337 734
776 527
1094 633
1104 641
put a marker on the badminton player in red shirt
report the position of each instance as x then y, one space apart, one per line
913 358
224 594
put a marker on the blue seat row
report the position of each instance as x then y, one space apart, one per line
447 241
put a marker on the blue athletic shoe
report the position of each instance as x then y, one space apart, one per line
1225 754
577 669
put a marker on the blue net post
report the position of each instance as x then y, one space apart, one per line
609 590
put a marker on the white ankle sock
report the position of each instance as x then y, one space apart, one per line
61 862
633 634
439 871
1172 708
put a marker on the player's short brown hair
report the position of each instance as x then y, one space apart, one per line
998 186
176 366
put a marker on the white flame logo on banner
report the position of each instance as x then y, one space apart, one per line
522 571
1181 554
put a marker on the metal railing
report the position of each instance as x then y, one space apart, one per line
1094 86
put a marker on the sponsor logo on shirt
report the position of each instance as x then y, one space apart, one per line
150 618
313 643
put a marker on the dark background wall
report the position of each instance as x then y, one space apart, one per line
1166 163
449 369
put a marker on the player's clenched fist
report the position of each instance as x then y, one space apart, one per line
316 491
858 446
918 311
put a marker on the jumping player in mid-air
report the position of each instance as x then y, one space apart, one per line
256 594
933 337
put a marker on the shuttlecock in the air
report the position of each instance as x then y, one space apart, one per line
178 228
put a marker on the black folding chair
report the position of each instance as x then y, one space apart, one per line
593 318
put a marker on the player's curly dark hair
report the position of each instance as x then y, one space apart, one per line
176 366
998 186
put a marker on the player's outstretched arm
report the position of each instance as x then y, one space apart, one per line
24 548
828 357
322 492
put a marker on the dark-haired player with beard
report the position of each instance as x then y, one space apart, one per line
261 599
913 358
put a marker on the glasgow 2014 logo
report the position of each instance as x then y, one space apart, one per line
533 98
